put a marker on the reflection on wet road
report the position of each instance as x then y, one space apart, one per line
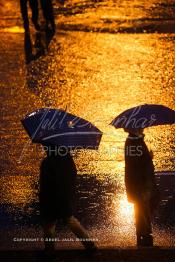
94 75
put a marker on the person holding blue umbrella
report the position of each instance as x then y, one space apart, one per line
60 132
140 184
140 181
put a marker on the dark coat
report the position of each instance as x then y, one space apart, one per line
139 170
57 187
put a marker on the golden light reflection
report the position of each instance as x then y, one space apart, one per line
123 213
13 29
126 209
16 189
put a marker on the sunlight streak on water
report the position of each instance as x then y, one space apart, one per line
13 29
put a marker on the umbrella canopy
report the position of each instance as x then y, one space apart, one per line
57 127
144 116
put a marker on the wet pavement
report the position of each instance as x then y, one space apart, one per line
106 56
104 255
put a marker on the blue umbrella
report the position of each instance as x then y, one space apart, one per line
144 116
57 127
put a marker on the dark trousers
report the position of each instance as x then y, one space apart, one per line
47 9
142 218
34 7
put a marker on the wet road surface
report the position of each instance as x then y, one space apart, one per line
105 58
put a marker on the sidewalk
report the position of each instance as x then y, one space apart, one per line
103 255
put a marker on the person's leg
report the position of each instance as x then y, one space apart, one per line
143 224
80 232
24 13
48 13
35 13
147 237
28 47
49 232
138 219
51 14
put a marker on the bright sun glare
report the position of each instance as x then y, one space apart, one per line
126 209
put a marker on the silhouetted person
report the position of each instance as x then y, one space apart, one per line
24 11
140 184
57 195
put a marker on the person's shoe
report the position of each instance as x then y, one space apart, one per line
145 241
148 241
139 241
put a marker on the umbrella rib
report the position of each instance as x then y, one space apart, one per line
43 118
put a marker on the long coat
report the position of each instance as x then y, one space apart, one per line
139 171
57 187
